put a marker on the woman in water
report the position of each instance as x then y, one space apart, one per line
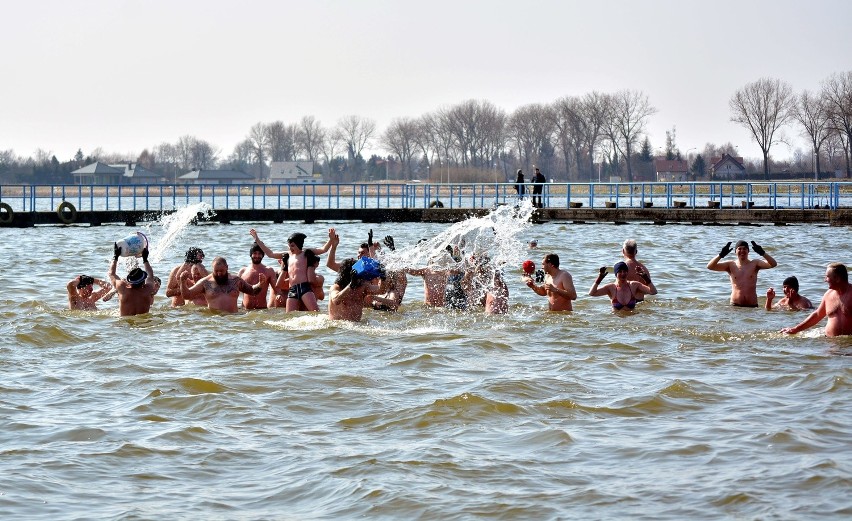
623 293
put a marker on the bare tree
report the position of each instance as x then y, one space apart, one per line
183 150
763 107
259 139
528 129
837 92
331 146
811 112
568 120
475 127
400 138
281 141
630 111
310 137
242 156
356 132
204 155
167 159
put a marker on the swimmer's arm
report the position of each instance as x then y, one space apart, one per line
596 291
766 262
174 283
337 294
263 247
318 289
245 287
113 277
72 285
567 290
770 295
539 290
195 291
716 264
812 320
106 287
331 263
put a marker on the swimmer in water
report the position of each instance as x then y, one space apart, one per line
348 293
742 271
836 305
623 294
82 294
792 300
193 263
558 285
220 288
251 274
134 292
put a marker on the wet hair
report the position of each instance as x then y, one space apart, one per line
85 280
254 248
620 266
792 283
344 276
194 255
364 245
312 258
553 259
629 246
298 239
839 270
741 243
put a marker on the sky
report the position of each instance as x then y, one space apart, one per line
127 75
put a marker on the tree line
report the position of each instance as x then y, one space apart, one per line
574 138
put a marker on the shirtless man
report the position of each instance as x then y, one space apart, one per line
220 289
82 294
836 305
301 292
628 251
397 283
497 296
792 300
251 274
134 292
348 294
434 279
192 264
558 285
743 272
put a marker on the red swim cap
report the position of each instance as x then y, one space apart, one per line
528 266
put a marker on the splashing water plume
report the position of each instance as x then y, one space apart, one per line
495 236
172 226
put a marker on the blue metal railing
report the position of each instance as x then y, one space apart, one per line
157 198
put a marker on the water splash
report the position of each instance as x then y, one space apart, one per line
496 237
164 232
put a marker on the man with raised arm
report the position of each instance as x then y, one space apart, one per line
134 292
220 288
836 305
742 271
300 291
792 300
82 294
193 263
251 274
558 285
351 289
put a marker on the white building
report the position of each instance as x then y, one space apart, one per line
293 172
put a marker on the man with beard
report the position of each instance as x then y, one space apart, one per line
251 274
220 288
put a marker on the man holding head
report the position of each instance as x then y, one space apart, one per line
836 305
742 271
82 294
134 292
220 288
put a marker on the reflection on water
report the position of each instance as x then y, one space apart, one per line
684 408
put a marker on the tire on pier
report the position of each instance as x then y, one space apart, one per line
68 217
7 216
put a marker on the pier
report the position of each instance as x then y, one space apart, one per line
828 203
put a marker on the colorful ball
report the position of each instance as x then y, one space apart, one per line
529 267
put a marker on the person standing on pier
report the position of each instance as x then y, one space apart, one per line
538 188
134 292
836 305
742 271
520 188
251 274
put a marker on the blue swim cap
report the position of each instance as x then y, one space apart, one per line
368 268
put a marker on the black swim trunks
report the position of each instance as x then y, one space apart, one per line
299 290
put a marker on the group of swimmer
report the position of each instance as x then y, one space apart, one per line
468 282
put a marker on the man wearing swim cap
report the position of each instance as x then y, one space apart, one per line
192 264
134 292
251 274
742 271
558 285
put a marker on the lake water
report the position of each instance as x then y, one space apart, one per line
686 408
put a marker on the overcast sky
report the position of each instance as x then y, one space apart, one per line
128 75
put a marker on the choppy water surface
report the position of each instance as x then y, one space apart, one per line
685 408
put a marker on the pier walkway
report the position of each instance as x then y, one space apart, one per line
660 203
